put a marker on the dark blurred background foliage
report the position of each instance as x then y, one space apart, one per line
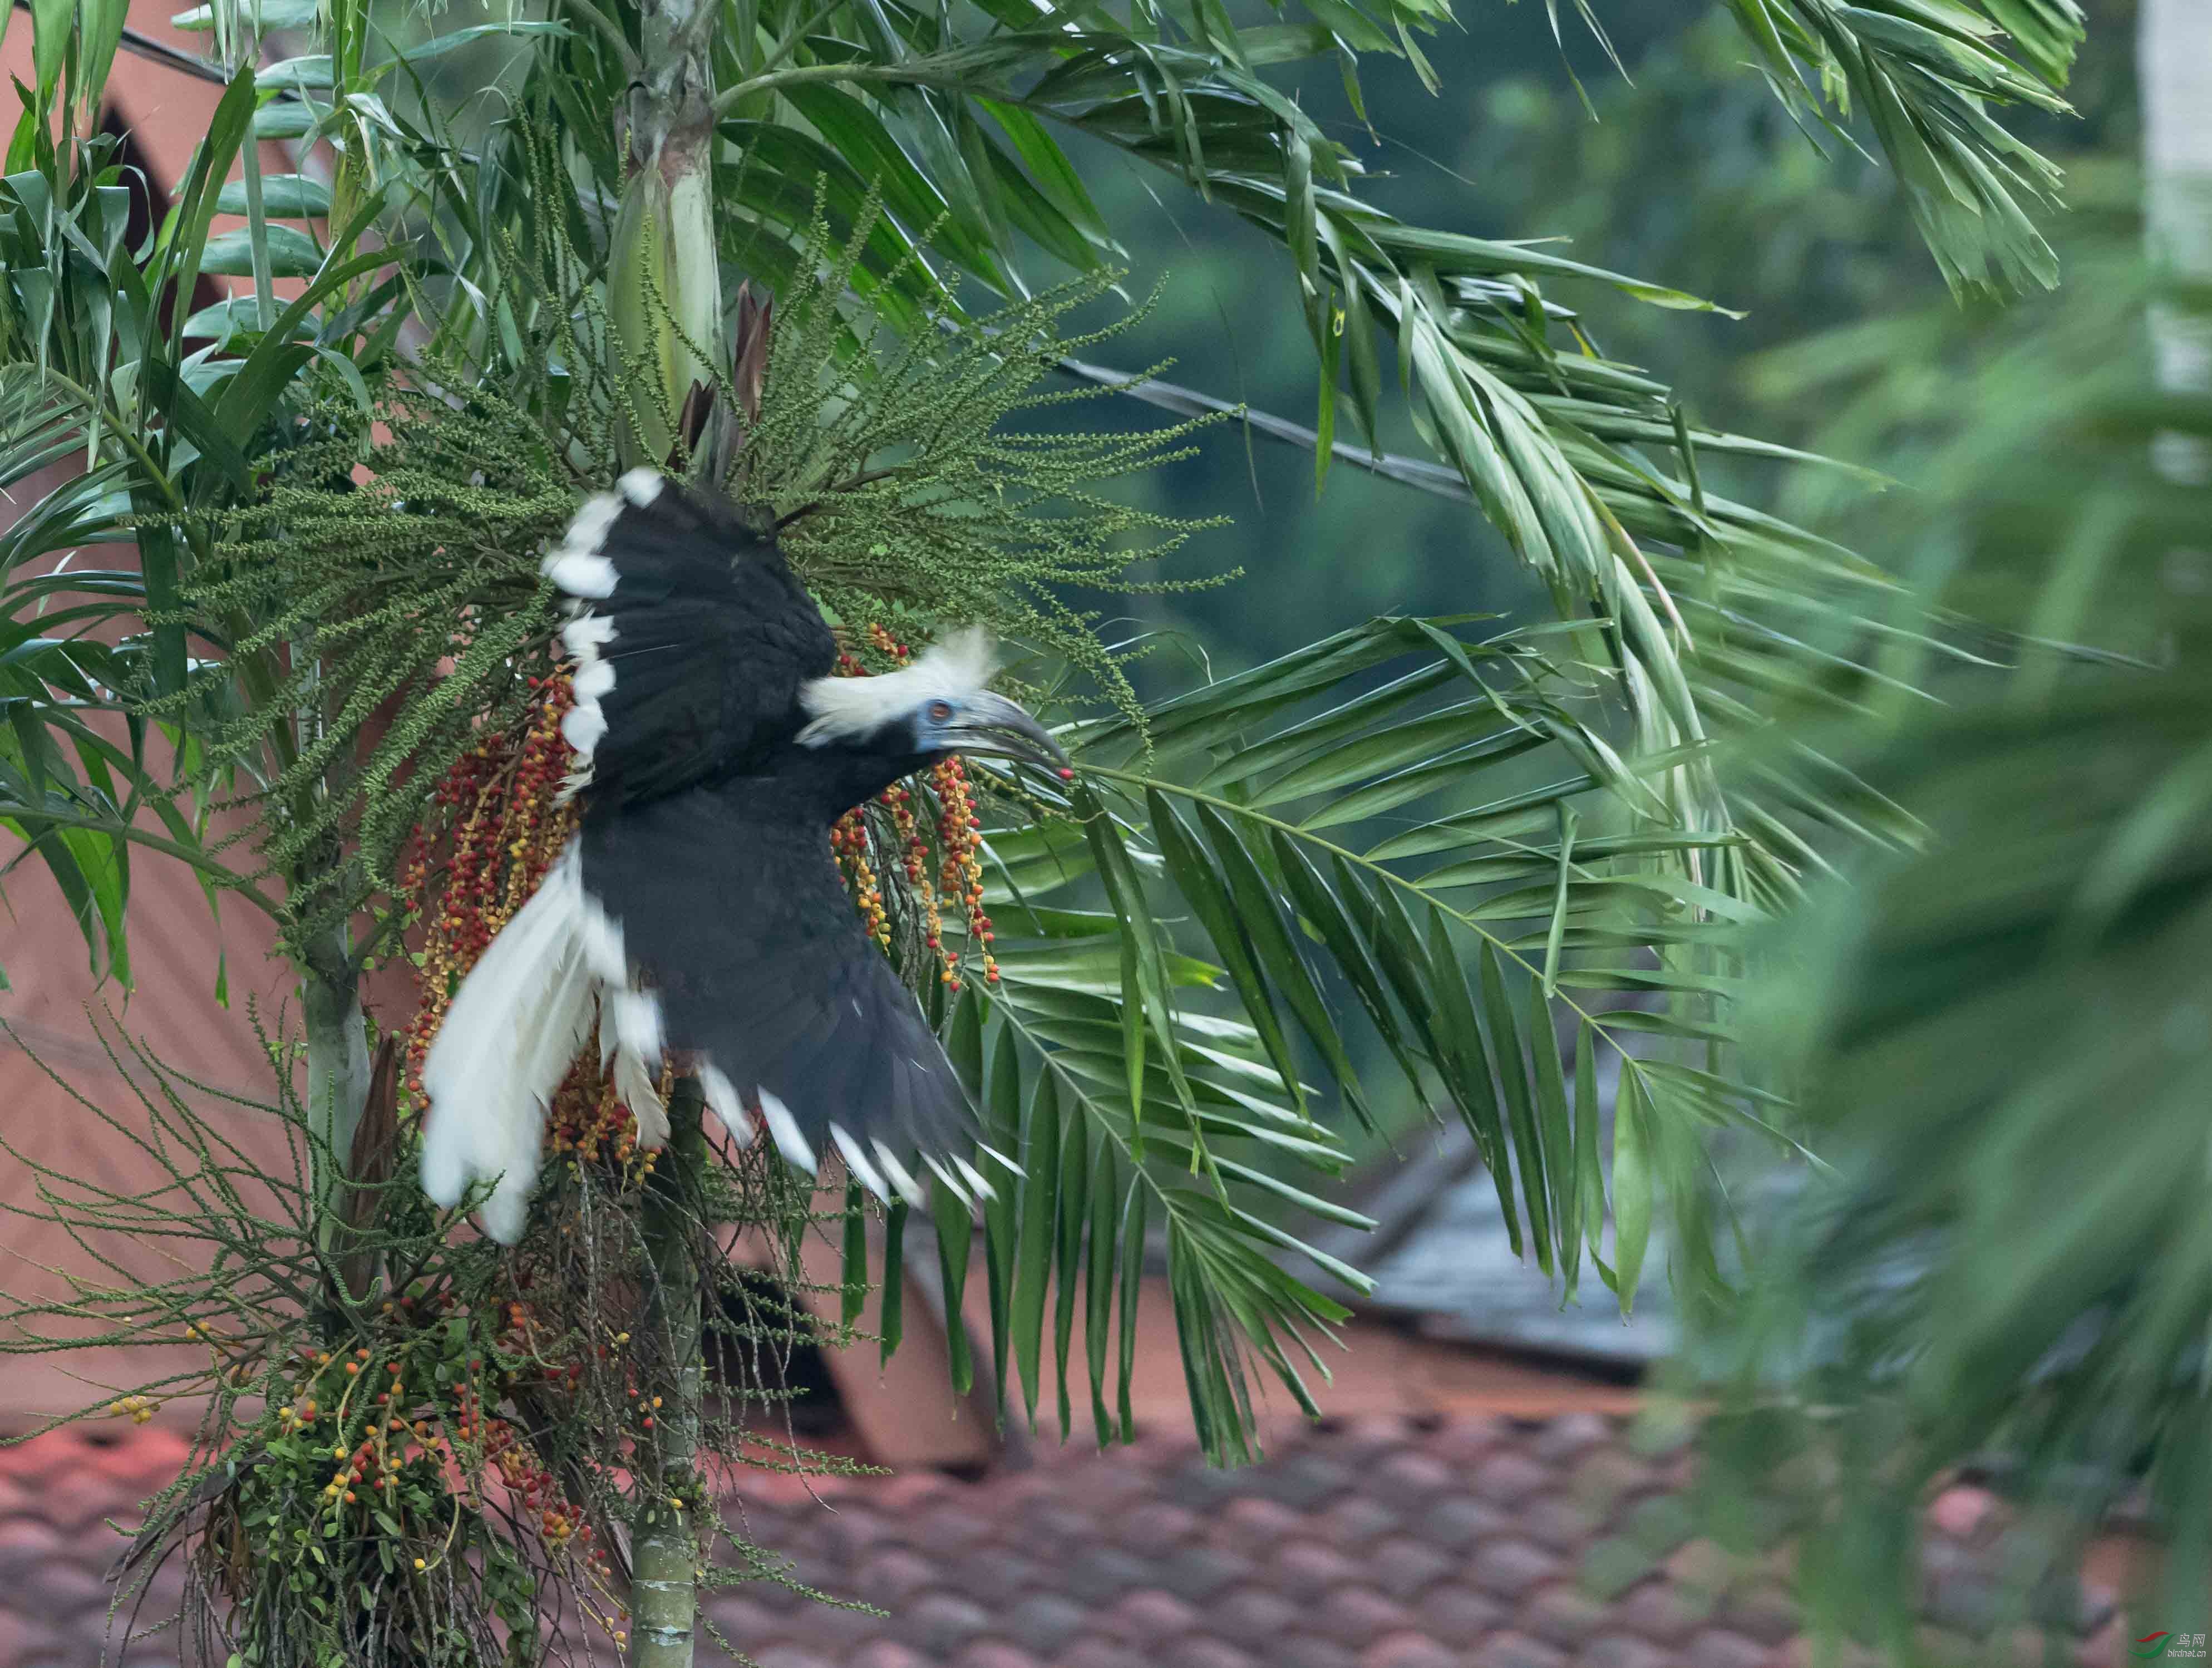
1678 166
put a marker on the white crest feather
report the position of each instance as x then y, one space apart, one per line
959 667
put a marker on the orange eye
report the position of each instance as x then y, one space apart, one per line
938 711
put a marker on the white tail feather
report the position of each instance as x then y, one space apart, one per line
635 1084
509 1037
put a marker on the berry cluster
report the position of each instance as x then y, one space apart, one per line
960 867
588 1122
956 877
398 1450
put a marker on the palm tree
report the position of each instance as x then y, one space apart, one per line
336 499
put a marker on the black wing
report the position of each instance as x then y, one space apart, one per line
694 639
731 902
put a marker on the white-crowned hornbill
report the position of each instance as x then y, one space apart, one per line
699 912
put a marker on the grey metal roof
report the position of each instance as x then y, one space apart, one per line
1442 1254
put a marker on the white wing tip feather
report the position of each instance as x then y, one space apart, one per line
952 1183
898 1175
641 485
727 1103
583 726
784 1128
586 635
856 1163
581 573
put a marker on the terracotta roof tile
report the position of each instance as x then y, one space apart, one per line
1719 1648
1408 1650
1666 1612
1506 1477
1147 1616
996 1653
1044 1621
1093 1653
1459 1616
1357 1520
1513 1650
1624 1651
1354 1615
1254 1617
887 1654
1198 1651
1203 1572
1312 1566
1371 1544
1508 1567
1562 1615
1253 1525
1311 1651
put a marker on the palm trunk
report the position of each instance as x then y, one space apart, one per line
337 1070
665 280
663 1549
330 1000
665 285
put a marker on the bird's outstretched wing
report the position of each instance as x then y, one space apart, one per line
765 978
691 640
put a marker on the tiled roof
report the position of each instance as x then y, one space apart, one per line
1469 1542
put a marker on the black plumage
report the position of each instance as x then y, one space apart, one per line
714 638
700 912
728 896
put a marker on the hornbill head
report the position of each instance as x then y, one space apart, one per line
939 705
985 724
